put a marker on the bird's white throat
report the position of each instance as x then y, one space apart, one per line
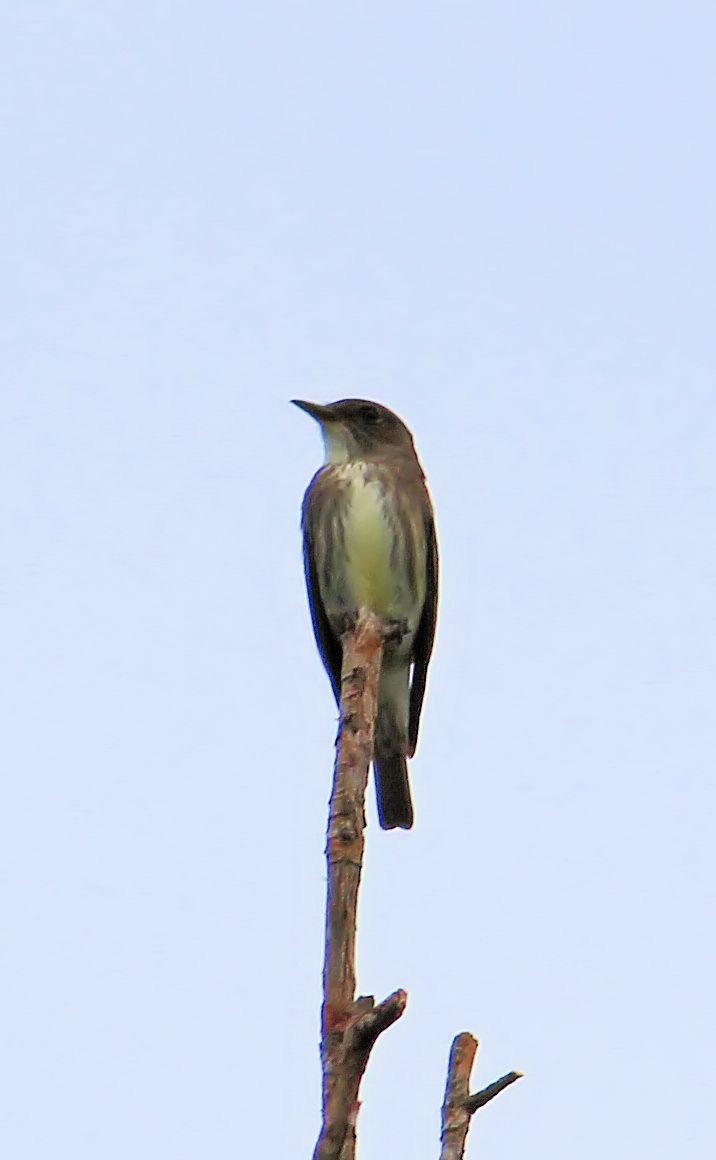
335 442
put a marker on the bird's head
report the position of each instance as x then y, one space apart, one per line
357 428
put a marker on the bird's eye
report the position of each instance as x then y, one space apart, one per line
370 414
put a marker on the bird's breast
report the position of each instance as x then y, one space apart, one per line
382 571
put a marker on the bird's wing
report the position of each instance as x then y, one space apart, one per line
424 637
328 646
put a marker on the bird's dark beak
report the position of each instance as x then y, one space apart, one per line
315 410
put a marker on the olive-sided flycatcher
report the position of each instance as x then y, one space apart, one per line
369 541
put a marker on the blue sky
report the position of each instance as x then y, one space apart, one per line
498 220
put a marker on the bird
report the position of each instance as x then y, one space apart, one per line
369 541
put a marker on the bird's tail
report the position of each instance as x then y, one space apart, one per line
392 788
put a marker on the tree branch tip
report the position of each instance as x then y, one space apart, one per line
391 1007
394 1004
372 1022
472 1103
465 1038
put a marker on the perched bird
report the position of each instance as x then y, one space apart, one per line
369 541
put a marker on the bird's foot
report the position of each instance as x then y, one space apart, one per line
344 621
395 630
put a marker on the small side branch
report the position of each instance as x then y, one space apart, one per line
349 1026
338 1134
493 1089
459 1106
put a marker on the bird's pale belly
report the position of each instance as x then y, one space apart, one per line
381 572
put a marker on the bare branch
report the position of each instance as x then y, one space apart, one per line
455 1117
350 1027
481 1098
459 1106
338 1136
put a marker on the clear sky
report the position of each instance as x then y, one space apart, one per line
498 219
